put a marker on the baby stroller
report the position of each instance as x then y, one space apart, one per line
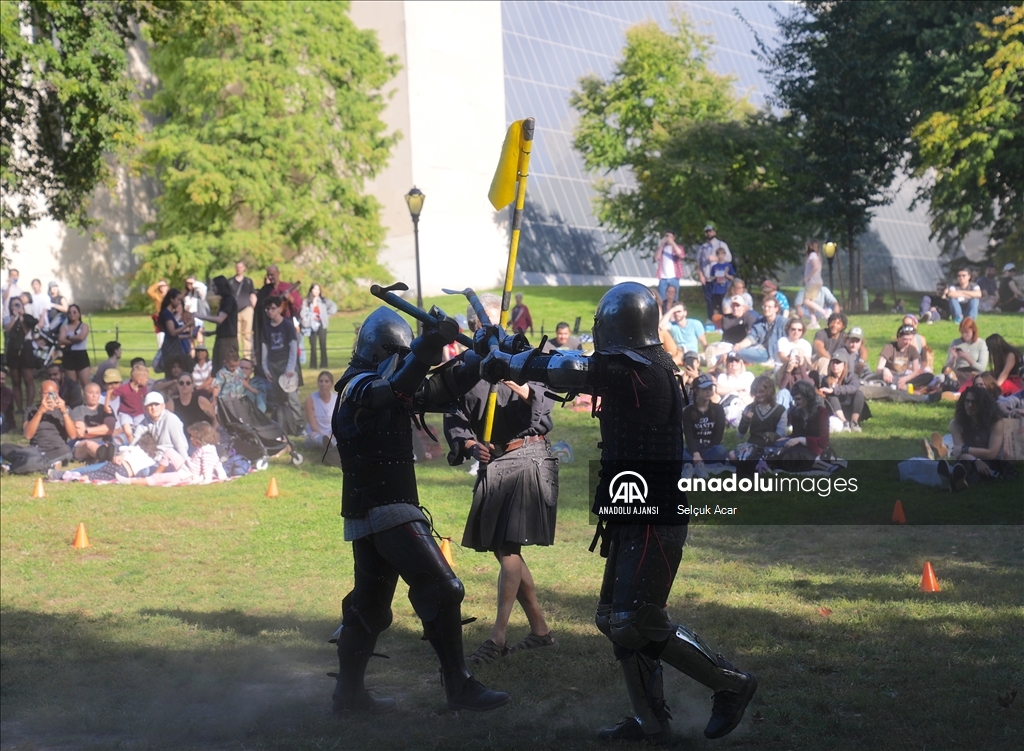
46 349
253 435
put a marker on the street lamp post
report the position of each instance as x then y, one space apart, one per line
830 252
414 200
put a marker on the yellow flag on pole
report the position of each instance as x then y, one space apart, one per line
503 184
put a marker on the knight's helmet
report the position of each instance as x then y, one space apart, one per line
382 334
626 318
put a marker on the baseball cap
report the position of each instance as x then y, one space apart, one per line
855 333
112 375
906 329
690 356
1009 267
836 358
153 398
738 300
704 382
710 225
734 357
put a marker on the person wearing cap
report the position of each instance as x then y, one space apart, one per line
58 306
1010 298
761 344
828 341
280 348
770 288
840 388
113 350
733 387
686 333
899 363
165 426
855 353
963 293
735 327
668 263
704 426
707 256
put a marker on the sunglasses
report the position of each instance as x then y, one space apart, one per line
184 383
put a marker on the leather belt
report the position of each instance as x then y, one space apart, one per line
518 443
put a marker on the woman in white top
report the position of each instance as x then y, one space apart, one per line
813 283
74 338
313 319
319 409
795 353
733 388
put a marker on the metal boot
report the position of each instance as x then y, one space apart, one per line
688 653
644 684
355 648
462 690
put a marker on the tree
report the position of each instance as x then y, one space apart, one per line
973 149
67 106
688 147
843 102
271 128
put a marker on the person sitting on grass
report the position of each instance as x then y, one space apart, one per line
762 423
113 350
131 394
828 341
319 409
703 426
899 363
761 344
738 287
735 328
230 381
202 371
687 334
129 461
968 356
1007 363
977 433
67 387
164 425
48 429
190 406
841 391
733 387
94 425
855 353
201 468
809 420
795 354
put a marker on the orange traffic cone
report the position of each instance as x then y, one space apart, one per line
272 488
37 490
928 581
81 538
897 514
446 550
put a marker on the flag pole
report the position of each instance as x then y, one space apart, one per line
522 173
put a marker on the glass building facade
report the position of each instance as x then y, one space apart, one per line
550 45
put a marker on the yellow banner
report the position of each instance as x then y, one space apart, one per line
503 184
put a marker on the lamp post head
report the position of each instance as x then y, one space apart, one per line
414 199
829 248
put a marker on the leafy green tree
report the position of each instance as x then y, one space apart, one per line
688 147
67 106
971 151
271 126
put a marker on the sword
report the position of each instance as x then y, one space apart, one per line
387 295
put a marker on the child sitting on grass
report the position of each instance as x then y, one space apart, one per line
201 468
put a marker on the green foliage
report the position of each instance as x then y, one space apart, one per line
976 144
691 149
67 107
271 126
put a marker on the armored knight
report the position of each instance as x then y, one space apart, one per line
641 421
385 385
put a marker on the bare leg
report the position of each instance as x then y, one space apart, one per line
528 600
29 377
509 579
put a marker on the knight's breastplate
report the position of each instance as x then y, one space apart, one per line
376 453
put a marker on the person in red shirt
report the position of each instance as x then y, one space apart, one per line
520 317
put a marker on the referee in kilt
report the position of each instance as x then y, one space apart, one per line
516 493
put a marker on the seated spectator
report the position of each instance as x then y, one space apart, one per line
687 333
899 307
841 391
258 385
977 433
189 406
202 371
878 304
67 388
691 369
113 358
722 274
563 339
963 293
1010 298
1007 363
763 423
7 421
737 288
770 288
48 429
94 426
935 307
809 419
919 341
828 341
704 425
129 461
795 353
123 423
735 328
733 388
989 284
855 353
968 356
761 344
230 381
899 363
821 304
319 408
168 385
163 425
132 394
201 468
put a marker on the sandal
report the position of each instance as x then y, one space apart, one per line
534 642
488 652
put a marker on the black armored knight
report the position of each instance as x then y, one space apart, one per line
641 421
385 385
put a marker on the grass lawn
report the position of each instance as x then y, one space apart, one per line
199 616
